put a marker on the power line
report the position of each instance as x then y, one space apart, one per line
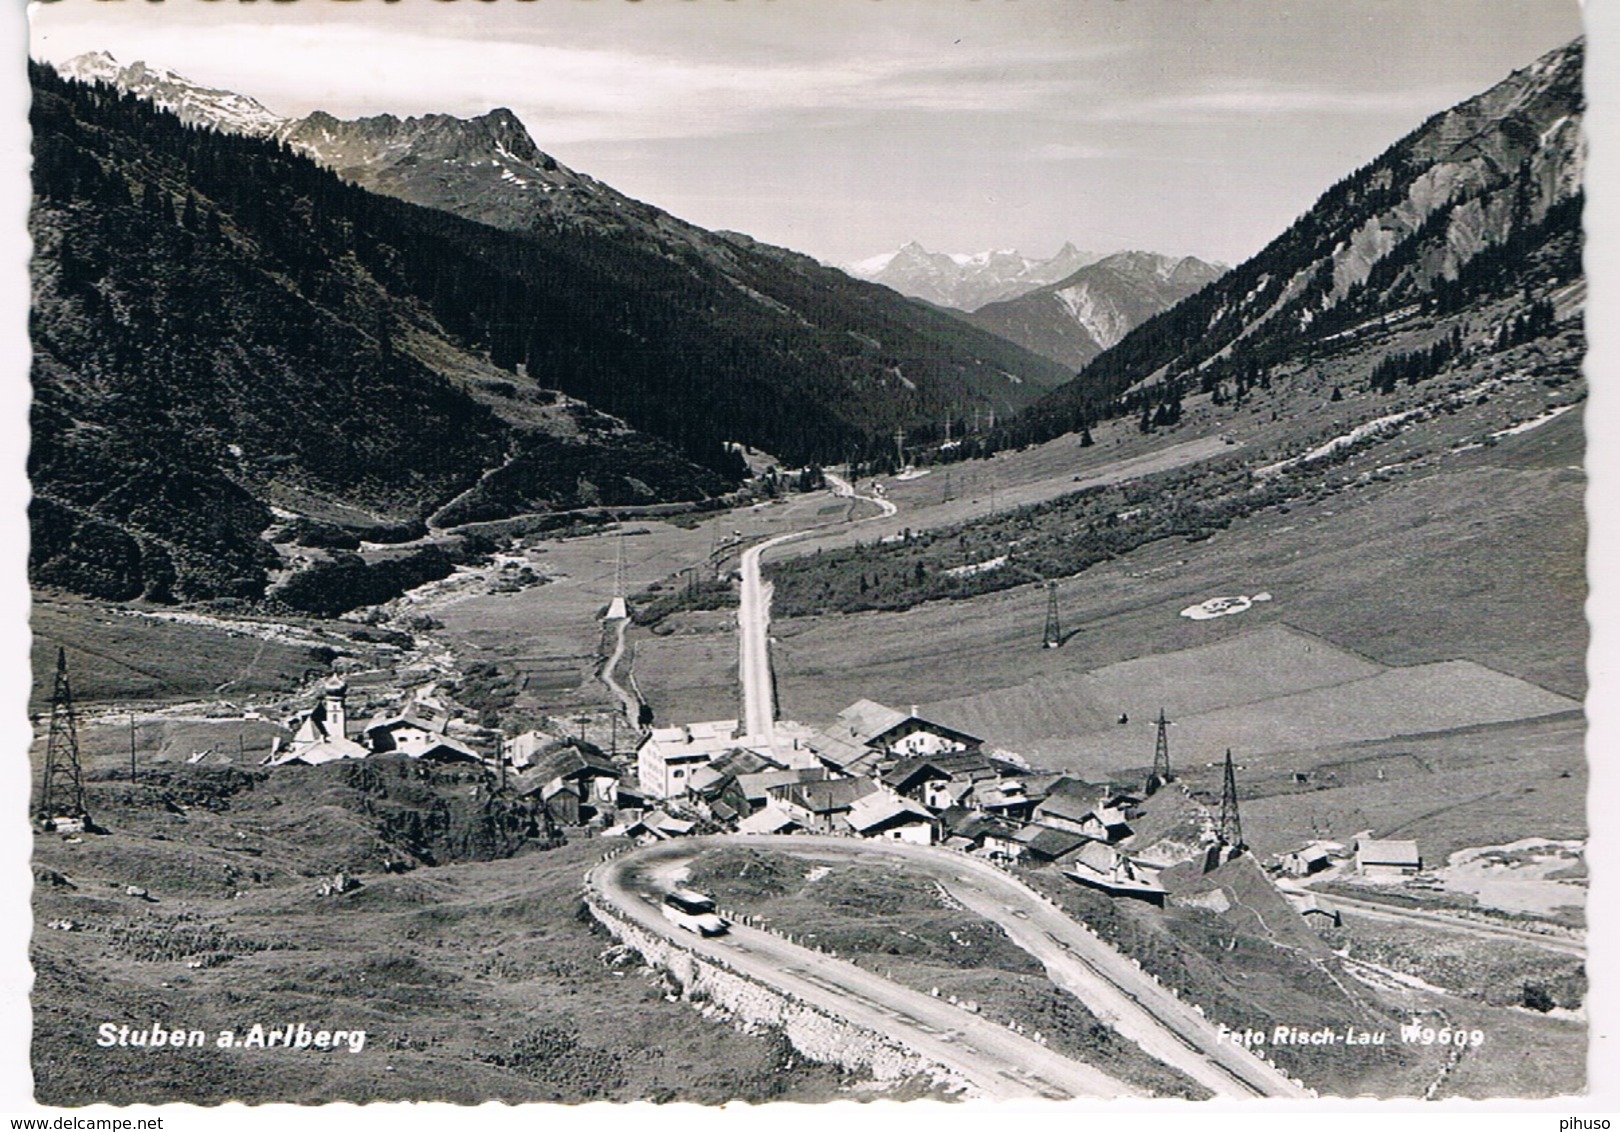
61 791
1053 636
1160 775
1230 830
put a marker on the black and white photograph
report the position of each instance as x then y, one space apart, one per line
805 551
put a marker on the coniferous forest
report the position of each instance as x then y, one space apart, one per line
220 324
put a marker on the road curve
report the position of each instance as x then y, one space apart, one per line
1120 994
995 1062
754 622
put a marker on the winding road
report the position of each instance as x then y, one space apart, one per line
629 704
754 622
997 1061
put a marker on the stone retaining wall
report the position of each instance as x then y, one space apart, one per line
814 1033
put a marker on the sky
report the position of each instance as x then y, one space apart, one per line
844 128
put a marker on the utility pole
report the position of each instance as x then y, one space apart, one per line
1052 637
61 792
1161 756
1230 831
132 755
900 446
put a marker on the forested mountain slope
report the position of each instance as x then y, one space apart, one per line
1076 318
221 328
1481 200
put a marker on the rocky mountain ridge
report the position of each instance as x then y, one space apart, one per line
967 282
1481 200
488 169
192 103
1077 318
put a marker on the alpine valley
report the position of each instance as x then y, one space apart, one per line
429 527
262 333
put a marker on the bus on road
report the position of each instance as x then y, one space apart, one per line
692 911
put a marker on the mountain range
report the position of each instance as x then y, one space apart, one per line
231 340
1481 202
1076 318
967 282
489 169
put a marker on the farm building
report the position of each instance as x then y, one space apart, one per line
656 826
1106 823
842 755
630 799
584 775
720 777
770 819
1306 861
1318 911
411 732
890 817
1127 803
521 751
756 788
1042 843
1065 811
562 802
1387 858
974 831
668 756
1008 797
880 728
821 806
444 749
1107 869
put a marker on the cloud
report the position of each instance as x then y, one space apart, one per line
571 93
1247 99
1069 151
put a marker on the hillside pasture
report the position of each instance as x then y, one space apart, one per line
1251 667
1448 790
1395 701
1479 562
476 981
690 672
118 656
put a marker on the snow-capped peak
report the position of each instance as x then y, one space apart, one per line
191 102
967 280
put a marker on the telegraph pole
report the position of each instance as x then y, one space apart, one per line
61 792
1161 775
1053 636
1230 830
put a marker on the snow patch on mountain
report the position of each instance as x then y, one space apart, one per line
192 103
967 280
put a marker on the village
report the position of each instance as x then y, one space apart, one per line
874 772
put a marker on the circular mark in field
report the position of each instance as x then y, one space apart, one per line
1222 606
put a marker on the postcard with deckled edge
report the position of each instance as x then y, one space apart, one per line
807 552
